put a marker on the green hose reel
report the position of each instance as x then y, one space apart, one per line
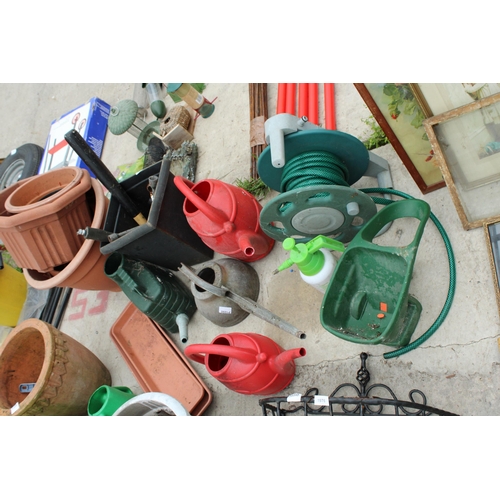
315 206
314 182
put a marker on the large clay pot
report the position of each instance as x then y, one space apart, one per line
64 372
40 218
86 269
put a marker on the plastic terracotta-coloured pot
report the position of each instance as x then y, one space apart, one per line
86 269
47 188
64 372
41 216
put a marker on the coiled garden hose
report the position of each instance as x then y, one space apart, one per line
323 168
451 261
314 168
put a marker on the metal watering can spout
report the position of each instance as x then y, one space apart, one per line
283 363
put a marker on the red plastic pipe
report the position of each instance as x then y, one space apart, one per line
313 103
329 99
291 90
303 99
281 107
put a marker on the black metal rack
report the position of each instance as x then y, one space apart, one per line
363 403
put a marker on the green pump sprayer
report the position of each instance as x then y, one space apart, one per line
314 259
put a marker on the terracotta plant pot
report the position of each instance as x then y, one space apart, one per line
41 216
86 269
65 372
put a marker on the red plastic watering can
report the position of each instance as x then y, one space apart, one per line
225 217
247 363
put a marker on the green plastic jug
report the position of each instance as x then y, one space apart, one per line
367 300
154 291
106 400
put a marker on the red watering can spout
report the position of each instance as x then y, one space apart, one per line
251 243
185 186
283 363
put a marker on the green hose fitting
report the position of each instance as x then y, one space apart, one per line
307 255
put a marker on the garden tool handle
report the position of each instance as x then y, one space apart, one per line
196 352
107 179
185 186
418 209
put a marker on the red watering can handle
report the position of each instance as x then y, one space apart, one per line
194 352
185 186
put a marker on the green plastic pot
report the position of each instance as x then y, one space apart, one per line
106 400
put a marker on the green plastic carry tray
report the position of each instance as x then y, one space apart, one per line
367 300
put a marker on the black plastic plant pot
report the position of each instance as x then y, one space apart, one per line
166 239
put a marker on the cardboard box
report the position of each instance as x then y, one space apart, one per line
90 120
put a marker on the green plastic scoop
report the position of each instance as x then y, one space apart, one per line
367 300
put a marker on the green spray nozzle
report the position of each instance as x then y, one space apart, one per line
307 256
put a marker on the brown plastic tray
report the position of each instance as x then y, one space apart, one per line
156 362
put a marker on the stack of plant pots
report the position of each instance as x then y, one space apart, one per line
39 220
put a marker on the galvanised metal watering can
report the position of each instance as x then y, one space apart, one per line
225 217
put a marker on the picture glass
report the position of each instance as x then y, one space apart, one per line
471 146
442 97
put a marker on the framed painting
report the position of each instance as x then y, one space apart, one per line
492 233
466 144
400 115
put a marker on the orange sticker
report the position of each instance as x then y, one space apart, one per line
383 307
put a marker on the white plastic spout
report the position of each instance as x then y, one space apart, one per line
182 321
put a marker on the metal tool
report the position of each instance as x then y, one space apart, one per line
108 180
243 302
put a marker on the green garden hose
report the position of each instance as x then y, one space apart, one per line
451 261
315 168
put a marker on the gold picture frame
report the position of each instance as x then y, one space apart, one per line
466 144
492 234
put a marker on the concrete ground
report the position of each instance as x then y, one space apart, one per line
458 368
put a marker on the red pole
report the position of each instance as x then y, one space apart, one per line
291 90
330 106
303 99
313 103
281 107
